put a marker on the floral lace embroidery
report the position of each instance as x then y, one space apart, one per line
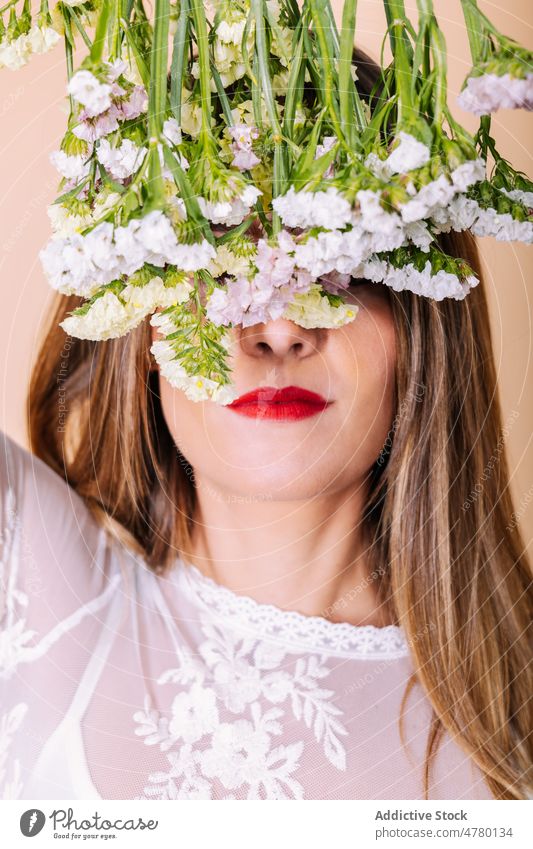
14 636
301 632
242 674
9 724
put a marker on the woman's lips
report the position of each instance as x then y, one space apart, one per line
289 403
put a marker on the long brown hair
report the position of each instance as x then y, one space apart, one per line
446 548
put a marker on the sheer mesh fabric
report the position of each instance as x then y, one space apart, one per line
118 684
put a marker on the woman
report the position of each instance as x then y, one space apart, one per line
293 596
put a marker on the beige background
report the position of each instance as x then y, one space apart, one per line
32 115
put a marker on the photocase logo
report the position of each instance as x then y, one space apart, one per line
32 822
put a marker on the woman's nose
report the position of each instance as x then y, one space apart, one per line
280 338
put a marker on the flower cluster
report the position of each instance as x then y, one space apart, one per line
501 76
487 93
81 264
241 178
352 233
24 37
17 52
105 103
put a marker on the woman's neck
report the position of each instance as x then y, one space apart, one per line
306 555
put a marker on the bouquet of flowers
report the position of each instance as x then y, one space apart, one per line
193 124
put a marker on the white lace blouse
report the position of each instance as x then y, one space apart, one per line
118 684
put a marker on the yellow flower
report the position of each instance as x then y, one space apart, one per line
226 262
313 309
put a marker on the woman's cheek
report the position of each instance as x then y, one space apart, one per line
369 360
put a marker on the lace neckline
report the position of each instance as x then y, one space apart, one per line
289 627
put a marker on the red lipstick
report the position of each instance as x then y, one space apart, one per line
289 403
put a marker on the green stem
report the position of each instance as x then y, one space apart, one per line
138 54
403 54
158 70
258 7
8 6
177 68
348 94
429 26
328 83
116 31
97 50
79 26
157 100
333 26
278 180
43 18
200 26
295 83
476 31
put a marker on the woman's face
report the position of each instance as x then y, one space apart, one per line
260 457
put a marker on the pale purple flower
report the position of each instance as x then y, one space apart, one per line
116 69
136 103
243 136
335 282
90 129
275 266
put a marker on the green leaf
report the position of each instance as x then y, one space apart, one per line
177 67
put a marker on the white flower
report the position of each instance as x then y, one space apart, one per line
122 161
231 33
522 197
107 318
231 212
313 209
14 54
386 227
418 234
487 93
194 713
503 227
313 309
436 194
42 40
459 215
68 266
437 286
379 167
466 214
115 69
407 155
64 223
334 251
328 142
470 172
70 167
192 257
86 89
172 131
